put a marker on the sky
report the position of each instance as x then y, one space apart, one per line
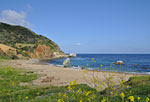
85 26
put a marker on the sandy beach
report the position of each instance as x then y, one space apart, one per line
59 76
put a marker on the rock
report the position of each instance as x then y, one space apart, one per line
66 62
7 50
72 55
82 67
59 55
48 79
119 62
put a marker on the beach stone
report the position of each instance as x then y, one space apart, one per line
119 62
66 62
48 79
82 67
72 55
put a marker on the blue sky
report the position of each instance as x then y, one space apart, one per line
85 26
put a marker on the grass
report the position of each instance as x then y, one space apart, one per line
11 89
4 58
139 86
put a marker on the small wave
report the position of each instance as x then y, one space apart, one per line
78 67
79 58
59 65
148 73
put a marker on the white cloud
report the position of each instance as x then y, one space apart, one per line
78 44
13 17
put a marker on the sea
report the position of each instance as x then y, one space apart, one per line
133 63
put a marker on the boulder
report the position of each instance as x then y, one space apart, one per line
119 62
72 55
66 62
82 67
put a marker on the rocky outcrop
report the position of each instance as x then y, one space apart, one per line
59 55
1 52
72 55
119 63
66 62
43 51
8 51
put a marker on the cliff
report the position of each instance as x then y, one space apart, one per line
22 42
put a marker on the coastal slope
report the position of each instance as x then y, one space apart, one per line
18 41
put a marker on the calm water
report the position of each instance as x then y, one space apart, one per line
139 63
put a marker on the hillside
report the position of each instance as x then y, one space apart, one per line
27 43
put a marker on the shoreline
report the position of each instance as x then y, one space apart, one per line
89 69
59 76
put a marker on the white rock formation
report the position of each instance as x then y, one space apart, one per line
72 55
119 62
66 62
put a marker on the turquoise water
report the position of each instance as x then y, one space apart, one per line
134 63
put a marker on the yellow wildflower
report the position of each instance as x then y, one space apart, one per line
101 65
139 98
122 95
74 82
89 99
147 99
87 64
84 71
69 88
104 100
60 100
65 95
88 93
121 83
131 98
84 93
26 97
93 59
79 91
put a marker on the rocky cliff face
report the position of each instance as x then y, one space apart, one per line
25 43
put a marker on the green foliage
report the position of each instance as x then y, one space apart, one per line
4 58
12 35
12 91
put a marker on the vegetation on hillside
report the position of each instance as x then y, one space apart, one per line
24 39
